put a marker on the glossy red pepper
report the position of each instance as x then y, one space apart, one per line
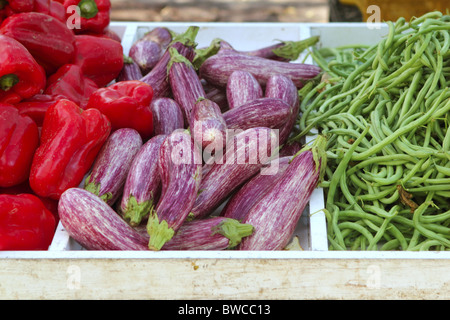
70 82
92 15
127 105
50 204
21 77
37 106
100 58
70 141
48 40
19 138
25 223
49 7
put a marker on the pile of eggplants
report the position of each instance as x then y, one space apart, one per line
216 175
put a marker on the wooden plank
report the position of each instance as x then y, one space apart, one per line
200 278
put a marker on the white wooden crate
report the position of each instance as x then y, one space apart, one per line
68 272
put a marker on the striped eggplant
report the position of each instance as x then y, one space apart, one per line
245 154
148 50
209 128
143 183
242 87
157 78
94 224
218 68
130 70
275 216
218 95
167 115
281 51
214 233
284 50
112 164
262 112
185 84
290 148
254 189
181 172
282 87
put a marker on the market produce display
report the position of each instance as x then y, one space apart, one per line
385 112
174 147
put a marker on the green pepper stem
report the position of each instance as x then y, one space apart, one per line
88 9
3 4
8 81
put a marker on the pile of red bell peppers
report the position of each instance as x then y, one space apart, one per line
58 59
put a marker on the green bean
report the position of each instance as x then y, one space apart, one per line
433 111
387 124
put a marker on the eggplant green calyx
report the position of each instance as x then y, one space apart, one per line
319 152
94 187
233 230
176 57
136 211
159 232
187 38
88 9
202 54
291 50
8 81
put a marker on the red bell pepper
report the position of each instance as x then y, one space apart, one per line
100 58
19 138
24 187
48 40
70 82
21 76
70 140
127 105
25 223
49 7
37 106
94 15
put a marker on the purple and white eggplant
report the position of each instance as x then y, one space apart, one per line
186 86
143 183
181 172
112 164
284 50
275 216
246 153
282 87
254 189
218 68
130 70
167 115
242 87
218 95
214 233
148 50
263 112
157 78
94 224
209 128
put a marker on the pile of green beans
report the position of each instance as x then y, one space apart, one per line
385 110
